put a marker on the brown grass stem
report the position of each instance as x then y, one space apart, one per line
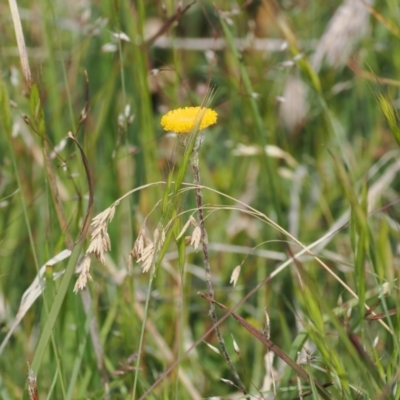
210 289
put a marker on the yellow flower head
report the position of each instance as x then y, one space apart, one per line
183 120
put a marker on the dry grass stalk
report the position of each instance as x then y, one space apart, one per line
207 267
33 292
23 55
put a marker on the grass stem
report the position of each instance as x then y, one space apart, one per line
210 289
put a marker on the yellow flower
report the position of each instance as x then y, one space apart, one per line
183 120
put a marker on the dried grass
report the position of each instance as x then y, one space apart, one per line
23 55
99 245
144 250
33 292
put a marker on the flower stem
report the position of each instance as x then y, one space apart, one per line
204 241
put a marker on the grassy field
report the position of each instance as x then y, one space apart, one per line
116 237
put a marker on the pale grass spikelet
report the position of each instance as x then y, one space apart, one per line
228 381
190 221
140 244
348 25
159 238
147 257
267 327
235 275
196 237
84 275
99 245
121 36
104 217
235 346
144 250
213 348
100 241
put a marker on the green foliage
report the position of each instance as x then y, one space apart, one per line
300 192
390 115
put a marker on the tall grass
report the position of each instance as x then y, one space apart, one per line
299 184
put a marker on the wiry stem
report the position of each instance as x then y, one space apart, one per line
204 242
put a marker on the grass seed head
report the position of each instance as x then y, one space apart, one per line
147 257
84 275
196 237
32 385
235 275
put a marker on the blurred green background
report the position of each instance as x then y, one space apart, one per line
307 96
